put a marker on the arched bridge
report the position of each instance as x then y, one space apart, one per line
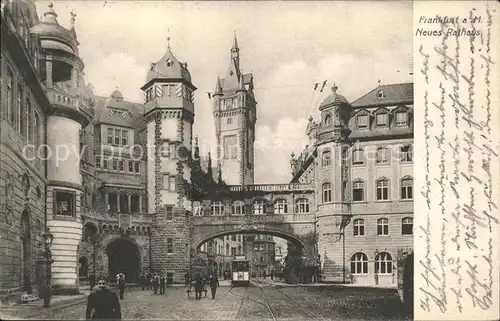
278 210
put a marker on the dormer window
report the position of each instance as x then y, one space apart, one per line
380 94
382 119
170 63
362 121
401 118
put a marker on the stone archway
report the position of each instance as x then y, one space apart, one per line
123 257
26 262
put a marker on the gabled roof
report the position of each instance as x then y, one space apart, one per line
392 95
134 120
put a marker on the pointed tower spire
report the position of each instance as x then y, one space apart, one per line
241 84
235 42
218 88
209 169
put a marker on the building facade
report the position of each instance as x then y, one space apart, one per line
132 182
360 159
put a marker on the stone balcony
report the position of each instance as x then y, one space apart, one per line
110 217
73 102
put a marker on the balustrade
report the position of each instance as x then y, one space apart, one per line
266 188
74 102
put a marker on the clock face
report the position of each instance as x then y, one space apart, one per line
228 104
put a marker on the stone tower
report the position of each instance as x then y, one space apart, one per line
70 113
333 146
234 108
169 113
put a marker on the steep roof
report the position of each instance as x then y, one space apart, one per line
111 110
392 95
168 67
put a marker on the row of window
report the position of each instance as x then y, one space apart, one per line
381 190
383 263
382 119
21 113
233 237
259 207
358 226
117 137
358 156
117 165
168 90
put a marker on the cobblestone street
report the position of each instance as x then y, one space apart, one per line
257 302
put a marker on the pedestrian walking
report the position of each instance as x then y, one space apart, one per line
198 286
121 284
148 281
187 279
103 304
162 284
214 284
92 281
156 283
143 281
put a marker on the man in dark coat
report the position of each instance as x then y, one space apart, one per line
162 284
143 281
148 281
121 284
198 286
104 303
214 284
156 283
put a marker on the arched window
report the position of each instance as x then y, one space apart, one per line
383 263
328 120
383 226
327 192
280 206
259 207
302 206
227 249
326 158
238 208
359 263
217 208
358 227
407 226
358 191
382 189
407 189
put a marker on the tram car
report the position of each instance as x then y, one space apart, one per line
240 271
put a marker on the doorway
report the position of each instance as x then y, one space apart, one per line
123 257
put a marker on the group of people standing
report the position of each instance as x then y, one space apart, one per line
153 282
199 283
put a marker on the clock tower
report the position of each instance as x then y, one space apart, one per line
234 108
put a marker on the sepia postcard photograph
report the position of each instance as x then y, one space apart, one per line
248 160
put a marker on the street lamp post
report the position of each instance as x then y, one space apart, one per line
48 237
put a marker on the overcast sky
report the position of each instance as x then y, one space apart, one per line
288 46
